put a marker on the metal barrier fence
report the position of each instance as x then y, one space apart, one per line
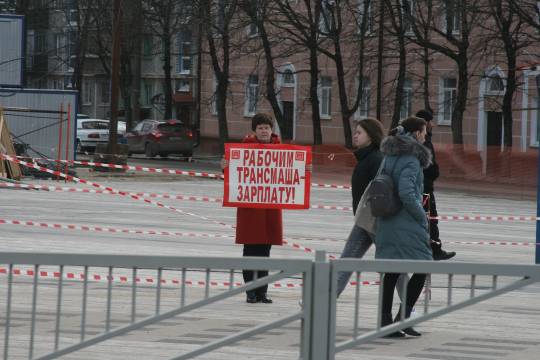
80 297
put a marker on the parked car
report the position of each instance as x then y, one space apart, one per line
90 132
161 137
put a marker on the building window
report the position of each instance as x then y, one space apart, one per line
88 92
288 78
451 17
406 100
325 97
183 85
147 45
105 92
407 11
325 21
57 84
148 93
252 94
495 85
59 44
252 30
183 64
363 107
365 16
447 100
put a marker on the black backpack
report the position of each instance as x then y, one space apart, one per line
381 194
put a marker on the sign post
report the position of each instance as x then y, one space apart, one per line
267 176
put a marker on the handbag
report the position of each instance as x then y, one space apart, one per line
381 194
364 217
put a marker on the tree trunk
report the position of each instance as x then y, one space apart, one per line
380 60
221 107
461 101
167 70
137 67
396 117
314 94
509 95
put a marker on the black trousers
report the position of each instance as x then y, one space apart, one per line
431 209
414 289
249 275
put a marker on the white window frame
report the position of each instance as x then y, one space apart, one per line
325 17
184 61
88 92
104 92
286 76
406 100
365 17
362 111
456 20
325 97
182 85
252 95
148 91
489 79
252 30
535 124
444 92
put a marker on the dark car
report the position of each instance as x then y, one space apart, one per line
161 137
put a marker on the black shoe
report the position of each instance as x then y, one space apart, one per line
264 299
386 319
251 299
411 332
443 255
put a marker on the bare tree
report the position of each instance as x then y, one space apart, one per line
347 23
165 18
218 18
301 22
451 37
512 33
257 12
399 26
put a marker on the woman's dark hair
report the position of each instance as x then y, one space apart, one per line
373 128
409 125
260 119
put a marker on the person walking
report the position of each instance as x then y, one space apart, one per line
258 229
405 234
431 173
367 137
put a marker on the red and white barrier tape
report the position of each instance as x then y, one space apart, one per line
148 280
107 229
149 195
219 200
113 191
132 231
171 171
142 168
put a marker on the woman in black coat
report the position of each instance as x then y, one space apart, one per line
367 137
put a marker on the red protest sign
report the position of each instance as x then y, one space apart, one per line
267 176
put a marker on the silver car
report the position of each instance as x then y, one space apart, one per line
91 132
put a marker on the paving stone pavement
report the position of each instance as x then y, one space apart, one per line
503 328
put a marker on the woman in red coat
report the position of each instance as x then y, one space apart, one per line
259 229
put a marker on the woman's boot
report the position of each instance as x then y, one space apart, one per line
409 331
386 319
